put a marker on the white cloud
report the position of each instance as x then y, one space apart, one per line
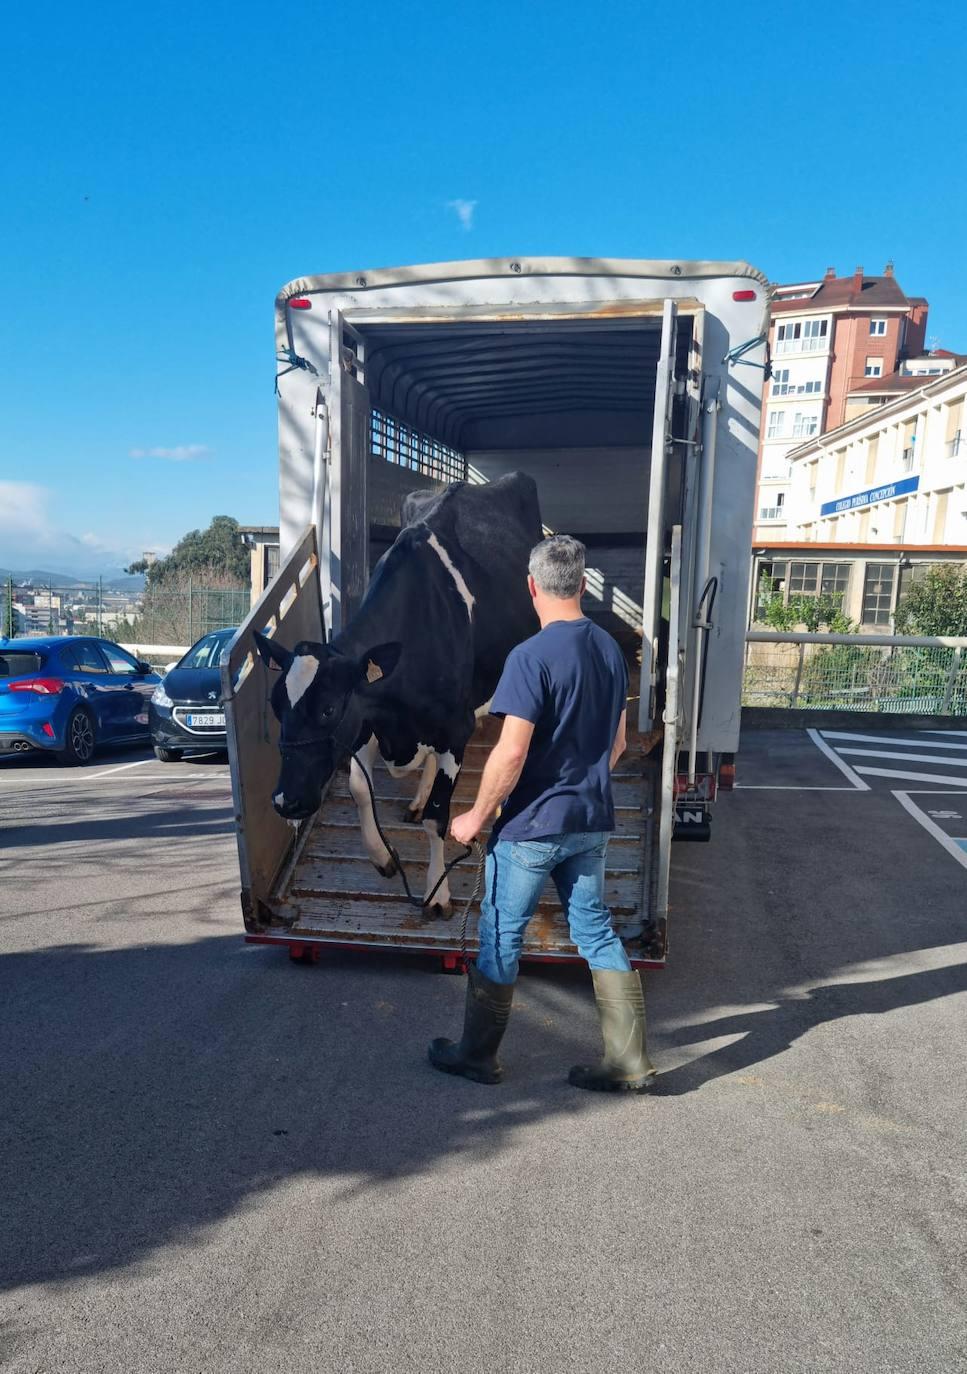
464 211
29 537
178 453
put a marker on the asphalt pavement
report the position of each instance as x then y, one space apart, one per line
217 1160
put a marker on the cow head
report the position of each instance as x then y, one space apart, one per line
322 700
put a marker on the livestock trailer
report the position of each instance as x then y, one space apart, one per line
630 391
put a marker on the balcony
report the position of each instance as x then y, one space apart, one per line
814 343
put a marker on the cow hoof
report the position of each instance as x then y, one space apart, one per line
440 912
413 816
388 870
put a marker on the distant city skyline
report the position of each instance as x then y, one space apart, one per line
162 180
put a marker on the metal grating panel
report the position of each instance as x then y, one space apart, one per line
397 442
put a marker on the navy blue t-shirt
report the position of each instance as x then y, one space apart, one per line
571 682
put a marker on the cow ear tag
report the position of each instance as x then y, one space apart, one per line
373 671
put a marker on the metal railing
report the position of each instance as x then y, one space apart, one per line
169 614
871 672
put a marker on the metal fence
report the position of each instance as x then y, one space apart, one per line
177 614
889 673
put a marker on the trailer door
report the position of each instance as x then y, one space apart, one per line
349 427
655 538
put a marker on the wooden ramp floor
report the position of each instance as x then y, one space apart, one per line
334 894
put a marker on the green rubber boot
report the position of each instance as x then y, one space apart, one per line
485 1020
625 1067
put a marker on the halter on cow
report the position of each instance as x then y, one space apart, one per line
446 604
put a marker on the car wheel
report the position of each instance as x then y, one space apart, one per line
167 755
81 740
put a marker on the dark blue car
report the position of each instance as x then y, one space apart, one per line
68 695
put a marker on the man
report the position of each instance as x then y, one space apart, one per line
562 698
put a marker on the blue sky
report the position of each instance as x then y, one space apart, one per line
164 169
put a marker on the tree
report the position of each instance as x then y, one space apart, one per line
213 553
936 603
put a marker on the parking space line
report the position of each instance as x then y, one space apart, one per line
109 772
841 764
913 777
914 758
891 739
953 847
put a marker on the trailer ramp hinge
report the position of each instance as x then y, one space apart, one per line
295 361
737 354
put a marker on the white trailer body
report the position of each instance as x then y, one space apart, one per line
630 391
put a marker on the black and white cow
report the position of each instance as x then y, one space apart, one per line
420 659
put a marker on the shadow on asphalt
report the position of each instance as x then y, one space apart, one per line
148 1092
768 1032
142 824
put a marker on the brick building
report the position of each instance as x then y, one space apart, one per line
827 338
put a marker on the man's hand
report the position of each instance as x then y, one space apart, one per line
466 828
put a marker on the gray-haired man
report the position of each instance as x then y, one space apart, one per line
562 697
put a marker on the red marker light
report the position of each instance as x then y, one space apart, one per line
44 686
743 295
48 729
300 303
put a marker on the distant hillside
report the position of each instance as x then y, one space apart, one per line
40 576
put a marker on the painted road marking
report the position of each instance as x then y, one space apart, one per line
883 739
841 764
956 848
914 758
912 777
109 772
787 787
962 734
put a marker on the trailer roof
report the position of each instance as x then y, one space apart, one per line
442 377
525 266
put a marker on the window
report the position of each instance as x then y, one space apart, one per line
781 385
398 443
777 423
19 664
804 425
773 512
953 445
771 583
899 521
120 661
835 581
803 579
878 593
874 367
939 513
877 328
906 459
87 658
207 652
802 336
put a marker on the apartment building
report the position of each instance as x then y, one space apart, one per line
874 501
826 338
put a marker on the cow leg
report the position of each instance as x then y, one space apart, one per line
414 811
436 822
358 773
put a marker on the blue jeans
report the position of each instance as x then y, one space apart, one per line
516 873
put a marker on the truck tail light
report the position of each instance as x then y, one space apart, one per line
43 686
743 295
299 303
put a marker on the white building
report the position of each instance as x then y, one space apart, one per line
877 498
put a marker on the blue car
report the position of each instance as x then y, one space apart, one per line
68 695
